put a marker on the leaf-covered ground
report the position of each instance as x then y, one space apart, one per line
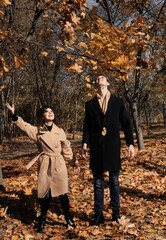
142 186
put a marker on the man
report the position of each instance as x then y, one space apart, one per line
103 114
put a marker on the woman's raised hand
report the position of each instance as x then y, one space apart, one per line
11 108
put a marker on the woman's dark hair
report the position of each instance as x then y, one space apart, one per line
39 116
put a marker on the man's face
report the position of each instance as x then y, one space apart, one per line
101 81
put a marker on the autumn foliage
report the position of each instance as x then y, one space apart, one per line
142 189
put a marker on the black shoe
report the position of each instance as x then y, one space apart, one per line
98 219
42 221
70 222
115 216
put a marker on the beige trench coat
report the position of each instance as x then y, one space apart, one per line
54 148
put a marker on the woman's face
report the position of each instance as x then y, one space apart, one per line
48 115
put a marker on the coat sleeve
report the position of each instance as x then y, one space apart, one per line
66 149
126 125
30 130
85 138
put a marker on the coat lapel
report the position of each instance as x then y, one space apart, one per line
97 105
109 105
48 137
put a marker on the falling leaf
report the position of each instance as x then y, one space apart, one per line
82 44
88 85
74 18
2 61
147 36
76 68
6 2
60 49
16 62
1 88
87 79
83 14
68 28
45 54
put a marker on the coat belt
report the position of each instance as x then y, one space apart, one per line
37 157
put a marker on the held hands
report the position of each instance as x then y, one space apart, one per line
11 108
131 152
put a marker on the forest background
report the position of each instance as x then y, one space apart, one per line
50 53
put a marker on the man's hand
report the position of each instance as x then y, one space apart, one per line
131 151
84 153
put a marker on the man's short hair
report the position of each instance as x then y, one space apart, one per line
101 74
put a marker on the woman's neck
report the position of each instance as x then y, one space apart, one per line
49 123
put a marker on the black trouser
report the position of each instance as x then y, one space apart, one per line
99 190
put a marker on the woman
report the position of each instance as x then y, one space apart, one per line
52 172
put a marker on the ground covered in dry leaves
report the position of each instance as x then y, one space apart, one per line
142 186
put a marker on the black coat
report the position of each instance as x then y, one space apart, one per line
105 150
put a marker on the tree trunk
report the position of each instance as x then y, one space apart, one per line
2 127
76 111
147 118
1 176
138 129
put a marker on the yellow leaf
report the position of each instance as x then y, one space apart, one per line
119 30
1 88
150 230
1 12
51 61
140 33
29 236
27 191
68 28
126 24
76 68
79 61
83 14
95 68
88 85
147 36
16 62
44 54
137 68
14 237
74 18
87 79
82 44
92 35
3 64
60 49
6 2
